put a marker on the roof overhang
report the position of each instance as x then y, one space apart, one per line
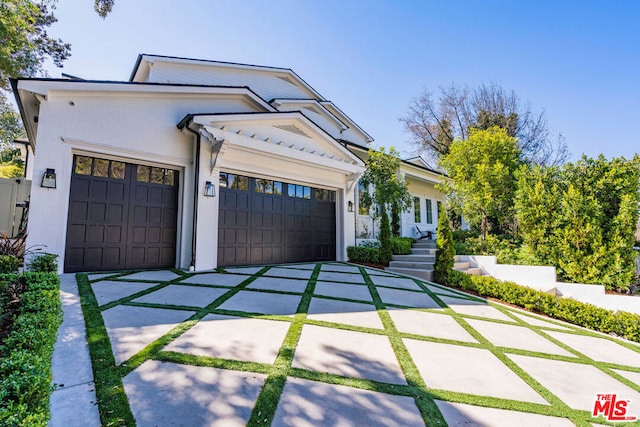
30 93
282 104
288 137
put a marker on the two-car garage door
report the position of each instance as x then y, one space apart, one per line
264 221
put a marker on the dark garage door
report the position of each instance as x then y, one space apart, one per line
121 216
263 222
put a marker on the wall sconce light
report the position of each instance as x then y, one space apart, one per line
49 179
209 189
350 206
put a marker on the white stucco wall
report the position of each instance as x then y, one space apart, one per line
137 128
425 191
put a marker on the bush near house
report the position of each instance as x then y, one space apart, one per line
30 314
370 251
619 323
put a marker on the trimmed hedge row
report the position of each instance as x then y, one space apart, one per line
619 323
372 254
25 353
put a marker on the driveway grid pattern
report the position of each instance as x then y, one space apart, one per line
338 344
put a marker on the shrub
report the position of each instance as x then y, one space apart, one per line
9 264
618 323
445 252
47 263
401 245
25 353
364 254
386 250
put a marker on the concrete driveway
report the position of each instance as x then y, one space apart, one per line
332 344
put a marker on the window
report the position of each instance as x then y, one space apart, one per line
153 175
325 195
235 182
416 210
267 186
363 208
429 212
99 167
299 191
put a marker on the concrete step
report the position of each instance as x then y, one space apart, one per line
414 258
457 258
461 265
414 265
421 251
422 274
474 271
425 244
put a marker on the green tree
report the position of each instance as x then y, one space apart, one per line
11 128
482 171
445 252
435 121
582 218
389 188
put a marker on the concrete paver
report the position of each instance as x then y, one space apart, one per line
429 324
599 349
396 282
537 321
331 276
193 296
468 370
473 308
503 335
576 384
340 268
345 312
108 291
407 298
261 302
166 393
157 275
309 404
278 284
218 279
243 270
291 273
631 376
347 353
235 338
131 329
461 414
343 290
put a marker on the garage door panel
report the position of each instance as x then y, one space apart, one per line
120 219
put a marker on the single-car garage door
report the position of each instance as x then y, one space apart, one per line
121 216
264 221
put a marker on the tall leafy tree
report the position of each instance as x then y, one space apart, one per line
482 171
435 121
446 251
582 218
389 189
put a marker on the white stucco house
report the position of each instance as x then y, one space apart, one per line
198 164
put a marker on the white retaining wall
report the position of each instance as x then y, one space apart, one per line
543 278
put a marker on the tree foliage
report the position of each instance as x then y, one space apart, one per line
434 124
482 171
582 218
445 248
25 42
11 128
389 190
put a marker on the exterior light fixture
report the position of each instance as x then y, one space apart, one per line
209 189
49 179
350 206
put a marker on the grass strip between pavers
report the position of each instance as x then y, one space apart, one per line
113 404
265 407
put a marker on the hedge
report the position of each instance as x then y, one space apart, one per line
620 323
402 245
363 254
25 352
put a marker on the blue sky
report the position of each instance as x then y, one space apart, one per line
579 60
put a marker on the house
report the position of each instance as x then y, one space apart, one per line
196 164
